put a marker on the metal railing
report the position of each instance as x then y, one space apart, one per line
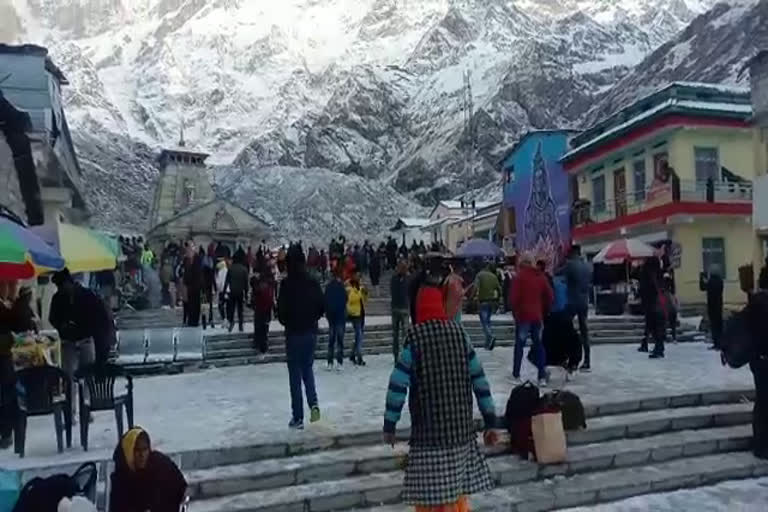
585 212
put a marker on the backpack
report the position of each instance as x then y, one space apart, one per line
522 402
570 405
44 494
737 343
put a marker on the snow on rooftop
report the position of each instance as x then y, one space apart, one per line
727 89
691 104
413 222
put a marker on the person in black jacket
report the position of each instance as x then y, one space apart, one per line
193 281
237 281
715 305
144 480
299 307
84 324
758 319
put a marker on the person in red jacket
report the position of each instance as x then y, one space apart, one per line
530 297
262 302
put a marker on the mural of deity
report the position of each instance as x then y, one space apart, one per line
540 225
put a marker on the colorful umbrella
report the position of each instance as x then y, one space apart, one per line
23 254
83 249
623 250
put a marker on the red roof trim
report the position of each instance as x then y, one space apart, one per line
660 213
669 121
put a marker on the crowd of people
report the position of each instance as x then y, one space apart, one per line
434 359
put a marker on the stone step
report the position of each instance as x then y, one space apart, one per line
385 332
245 355
241 340
221 340
579 489
604 486
278 349
507 469
379 307
617 435
646 423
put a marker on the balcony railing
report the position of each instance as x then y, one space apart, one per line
585 212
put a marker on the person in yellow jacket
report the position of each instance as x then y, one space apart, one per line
357 297
147 256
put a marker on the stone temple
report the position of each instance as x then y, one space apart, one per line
186 207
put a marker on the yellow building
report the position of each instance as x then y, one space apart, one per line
675 170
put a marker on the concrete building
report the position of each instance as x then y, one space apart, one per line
408 230
758 71
674 169
20 190
480 222
445 213
186 207
32 83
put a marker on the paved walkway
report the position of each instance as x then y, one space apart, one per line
737 496
250 404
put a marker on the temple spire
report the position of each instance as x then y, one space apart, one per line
182 143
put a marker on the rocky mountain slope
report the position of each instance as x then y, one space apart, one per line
714 48
314 204
370 88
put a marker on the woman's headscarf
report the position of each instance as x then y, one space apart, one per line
128 445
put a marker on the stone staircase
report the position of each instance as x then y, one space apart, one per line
629 448
378 305
236 348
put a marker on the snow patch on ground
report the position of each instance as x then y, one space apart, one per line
741 496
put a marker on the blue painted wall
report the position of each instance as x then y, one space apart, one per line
538 190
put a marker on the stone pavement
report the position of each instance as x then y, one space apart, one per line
739 496
248 405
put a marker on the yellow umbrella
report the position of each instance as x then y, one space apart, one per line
83 249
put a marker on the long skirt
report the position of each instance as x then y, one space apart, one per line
460 506
442 476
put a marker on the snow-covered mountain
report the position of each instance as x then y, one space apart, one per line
313 204
714 48
373 88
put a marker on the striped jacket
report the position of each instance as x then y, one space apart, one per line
442 371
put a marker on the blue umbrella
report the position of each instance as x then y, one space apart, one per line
479 248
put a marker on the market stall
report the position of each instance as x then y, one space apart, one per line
24 255
614 286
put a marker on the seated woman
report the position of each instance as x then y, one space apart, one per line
144 480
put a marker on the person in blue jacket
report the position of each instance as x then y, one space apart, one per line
336 313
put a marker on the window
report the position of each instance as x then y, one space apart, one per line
598 193
707 161
638 173
713 253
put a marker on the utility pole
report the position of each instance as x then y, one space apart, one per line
470 131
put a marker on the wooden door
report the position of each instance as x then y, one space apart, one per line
620 191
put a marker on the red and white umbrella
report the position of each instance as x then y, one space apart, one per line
624 249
